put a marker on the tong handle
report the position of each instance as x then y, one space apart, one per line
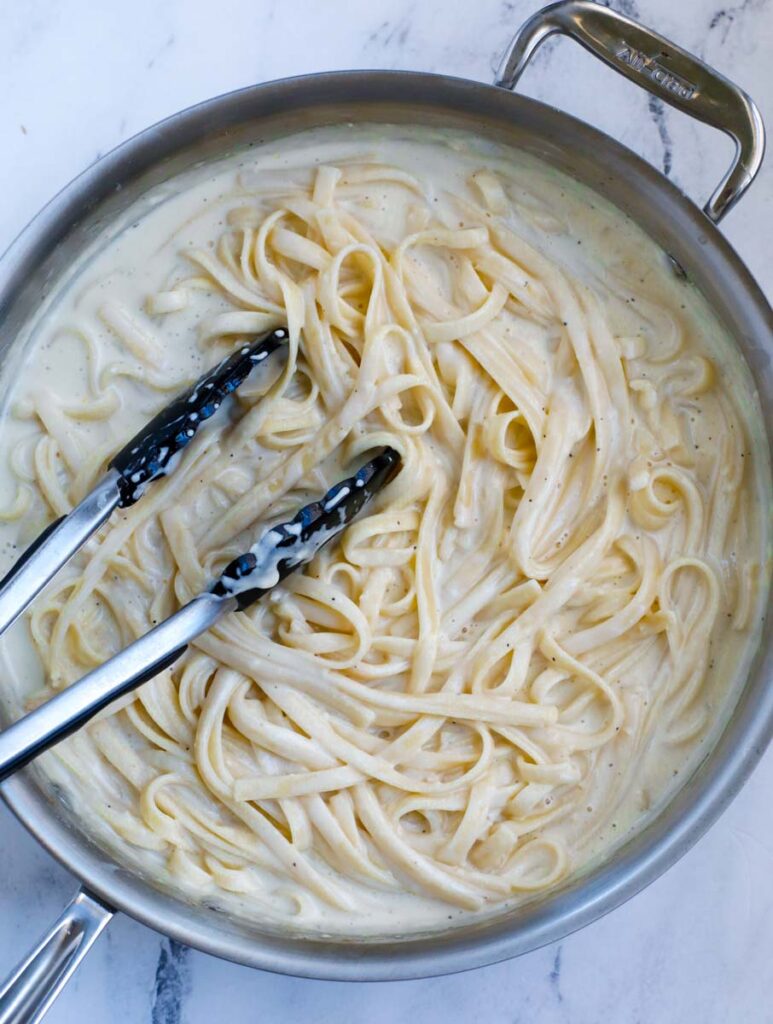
48 552
27 554
63 714
282 549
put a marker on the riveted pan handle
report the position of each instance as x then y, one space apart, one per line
665 70
31 989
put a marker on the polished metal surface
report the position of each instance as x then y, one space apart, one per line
667 71
48 553
72 707
276 109
282 549
28 993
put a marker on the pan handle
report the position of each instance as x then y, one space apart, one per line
30 990
665 70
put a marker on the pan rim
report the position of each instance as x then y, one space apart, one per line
693 809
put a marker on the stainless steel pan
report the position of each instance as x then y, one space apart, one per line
691 238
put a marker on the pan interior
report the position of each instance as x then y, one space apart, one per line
35 266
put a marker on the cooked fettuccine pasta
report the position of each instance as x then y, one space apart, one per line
515 653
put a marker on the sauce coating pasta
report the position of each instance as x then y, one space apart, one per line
511 658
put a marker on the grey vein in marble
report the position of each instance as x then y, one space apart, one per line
172 983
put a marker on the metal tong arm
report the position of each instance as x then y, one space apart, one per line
278 552
60 716
55 545
151 454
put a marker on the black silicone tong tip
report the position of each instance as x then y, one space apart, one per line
301 537
150 454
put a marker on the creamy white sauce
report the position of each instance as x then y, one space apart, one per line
128 327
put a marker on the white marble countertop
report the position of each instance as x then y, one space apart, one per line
78 77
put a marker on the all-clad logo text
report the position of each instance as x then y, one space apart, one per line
650 66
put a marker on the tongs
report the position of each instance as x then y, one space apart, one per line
151 454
